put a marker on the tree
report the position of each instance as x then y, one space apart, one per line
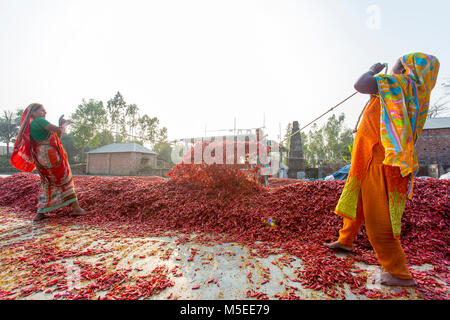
73 153
441 105
9 127
337 138
162 135
286 142
18 118
315 147
102 138
88 119
330 143
148 129
132 114
164 151
95 126
287 135
116 108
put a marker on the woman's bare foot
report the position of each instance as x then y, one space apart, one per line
388 279
77 210
338 245
39 216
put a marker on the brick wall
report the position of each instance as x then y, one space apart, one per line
146 160
120 164
97 163
111 163
433 148
123 164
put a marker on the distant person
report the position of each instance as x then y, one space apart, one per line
38 146
384 160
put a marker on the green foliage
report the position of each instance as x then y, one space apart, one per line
164 150
89 117
287 140
4 162
116 108
327 144
102 138
132 118
148 128
9 127
287 136
95 126
73 153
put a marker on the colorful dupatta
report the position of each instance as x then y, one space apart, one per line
405 101
393 118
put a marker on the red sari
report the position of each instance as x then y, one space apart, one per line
49 158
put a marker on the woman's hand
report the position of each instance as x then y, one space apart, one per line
377 68
367 83
63 122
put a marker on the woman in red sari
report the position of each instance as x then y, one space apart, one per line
38 146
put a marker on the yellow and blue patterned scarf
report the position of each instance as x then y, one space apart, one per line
405 100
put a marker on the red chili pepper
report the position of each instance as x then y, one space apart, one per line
217 200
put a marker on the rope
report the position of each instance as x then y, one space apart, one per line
386 67
350 96
331 109
360 115
177 140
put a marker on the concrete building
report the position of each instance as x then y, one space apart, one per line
433 147
122 159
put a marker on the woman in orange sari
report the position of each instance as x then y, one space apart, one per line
384 160
38 146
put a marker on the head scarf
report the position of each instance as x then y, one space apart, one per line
405 100
21 157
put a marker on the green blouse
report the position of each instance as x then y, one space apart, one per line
37 129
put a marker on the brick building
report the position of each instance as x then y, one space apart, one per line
122 159
433 147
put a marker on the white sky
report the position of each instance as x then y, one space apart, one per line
196 63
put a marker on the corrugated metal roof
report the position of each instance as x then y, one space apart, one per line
122 147
437 123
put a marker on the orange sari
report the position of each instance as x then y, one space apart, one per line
371 192
384 160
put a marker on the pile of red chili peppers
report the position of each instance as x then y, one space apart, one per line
224 205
